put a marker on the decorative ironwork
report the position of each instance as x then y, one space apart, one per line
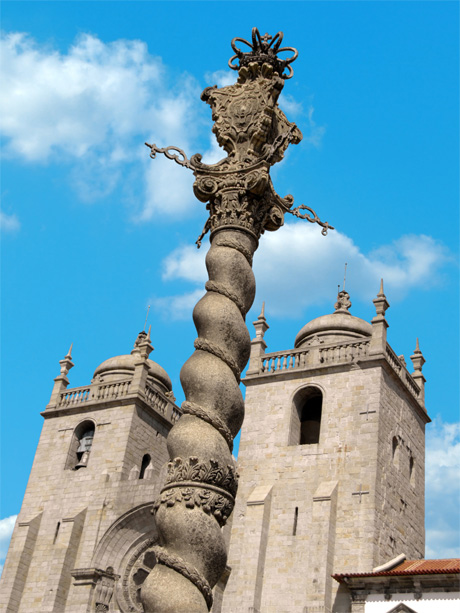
255 133
179 157
313 218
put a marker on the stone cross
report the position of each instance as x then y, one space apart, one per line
360 493
367 412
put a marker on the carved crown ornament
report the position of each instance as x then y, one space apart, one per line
255 133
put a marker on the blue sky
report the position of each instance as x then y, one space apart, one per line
93 231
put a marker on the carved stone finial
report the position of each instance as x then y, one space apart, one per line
66 363
343 302
142 344
263 53
417 358
418 361
381 303
260 324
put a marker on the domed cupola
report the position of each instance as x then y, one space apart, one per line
338 326
122 366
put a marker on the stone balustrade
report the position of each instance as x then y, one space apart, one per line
94 392
402 371
107 391
343 352
155 400
103 392
393 359
74 396
283 360
326 355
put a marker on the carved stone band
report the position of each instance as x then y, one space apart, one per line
212 286
191 408
211 500
221 241
207 473
204 486
204 345
187 570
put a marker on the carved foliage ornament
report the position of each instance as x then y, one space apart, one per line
211 473
200 484
255 133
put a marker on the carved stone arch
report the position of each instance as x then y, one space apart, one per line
73 456
299 432
127 548
402 608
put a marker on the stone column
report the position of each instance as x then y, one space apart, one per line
200 488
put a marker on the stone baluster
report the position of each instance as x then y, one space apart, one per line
418 361
378 342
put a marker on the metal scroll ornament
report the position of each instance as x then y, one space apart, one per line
200 489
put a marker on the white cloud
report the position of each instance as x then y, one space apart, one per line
71 102
9 223
95 106
178 307
168 189
186 263
6 530
314 133
297 266
221 78
289 105
442 489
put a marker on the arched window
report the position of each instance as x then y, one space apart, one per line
80 446
396 450
412 470
306 420
145 464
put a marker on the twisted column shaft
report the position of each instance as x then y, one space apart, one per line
201 484
199 492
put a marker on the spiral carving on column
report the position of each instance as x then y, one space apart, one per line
201 485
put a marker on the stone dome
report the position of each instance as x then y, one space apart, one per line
122 367
335 327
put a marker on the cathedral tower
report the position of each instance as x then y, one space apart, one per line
86 520
331 462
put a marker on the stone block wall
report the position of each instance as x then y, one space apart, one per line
65 513
328 500
400 509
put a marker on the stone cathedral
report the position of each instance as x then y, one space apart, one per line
328 516
331 466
